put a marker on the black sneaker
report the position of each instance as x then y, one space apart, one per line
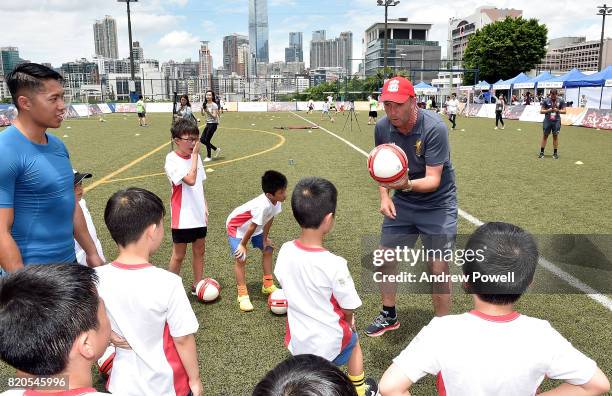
193 291
371 387
381 324
555 156
541 155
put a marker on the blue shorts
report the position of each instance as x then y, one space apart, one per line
345 354
436 227
256 242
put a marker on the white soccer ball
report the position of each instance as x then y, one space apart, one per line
208 290
387 163
277 302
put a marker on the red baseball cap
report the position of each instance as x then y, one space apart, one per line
396 89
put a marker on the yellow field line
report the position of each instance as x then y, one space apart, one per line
107 179
123 168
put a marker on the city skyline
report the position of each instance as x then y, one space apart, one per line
173 29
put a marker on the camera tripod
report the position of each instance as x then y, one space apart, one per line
351 116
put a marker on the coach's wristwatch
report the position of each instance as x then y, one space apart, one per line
409 187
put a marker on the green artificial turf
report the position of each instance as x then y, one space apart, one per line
498 178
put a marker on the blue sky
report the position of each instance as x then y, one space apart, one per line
57 31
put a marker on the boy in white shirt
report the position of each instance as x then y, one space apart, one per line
147 306
81 256
320 292
494 350
188 208
252 221
53 325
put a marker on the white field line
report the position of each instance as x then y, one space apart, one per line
549 266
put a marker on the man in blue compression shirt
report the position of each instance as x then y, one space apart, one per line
38 215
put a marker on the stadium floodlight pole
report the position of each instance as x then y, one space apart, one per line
603 11
386 4
130 35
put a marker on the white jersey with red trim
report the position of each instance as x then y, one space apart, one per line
148 307
71 392
187 203
317 285
477 354
258 210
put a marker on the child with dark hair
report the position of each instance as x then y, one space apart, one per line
320 292
252 221
188 208
141 109
53 324
147 306
305 375
493 349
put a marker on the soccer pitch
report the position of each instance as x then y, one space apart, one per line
499 178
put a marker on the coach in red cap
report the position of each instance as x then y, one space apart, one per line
424 202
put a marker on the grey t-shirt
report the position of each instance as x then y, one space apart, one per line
549 104
427 144
208 111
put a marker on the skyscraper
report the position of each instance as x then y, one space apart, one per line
294 53
205 68
105 37
258 30
231 57
137 52
335 52
9 59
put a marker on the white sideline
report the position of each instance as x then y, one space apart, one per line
549 266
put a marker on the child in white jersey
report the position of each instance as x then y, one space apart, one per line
494 350
53 325
320 292
188 208
147 306
252 221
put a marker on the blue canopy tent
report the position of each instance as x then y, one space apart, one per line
508 84
561 81
533 82
592 88
483 85
593 80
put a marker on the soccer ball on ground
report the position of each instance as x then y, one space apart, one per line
277 302
208 290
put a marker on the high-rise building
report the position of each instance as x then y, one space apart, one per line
460 29
318 35
231 61
408 48
205 69
105 37
137 52
9 59
294 52
258 30
336 52
245 67
78 74
566 53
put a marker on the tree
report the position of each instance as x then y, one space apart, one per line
503 49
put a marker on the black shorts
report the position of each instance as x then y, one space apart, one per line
373 114
188 235
142 115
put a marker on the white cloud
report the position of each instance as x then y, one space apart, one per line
181 3
178 39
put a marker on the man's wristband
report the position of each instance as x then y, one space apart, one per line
409 188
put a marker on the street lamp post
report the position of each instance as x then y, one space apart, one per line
130 36
603 11
386 4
